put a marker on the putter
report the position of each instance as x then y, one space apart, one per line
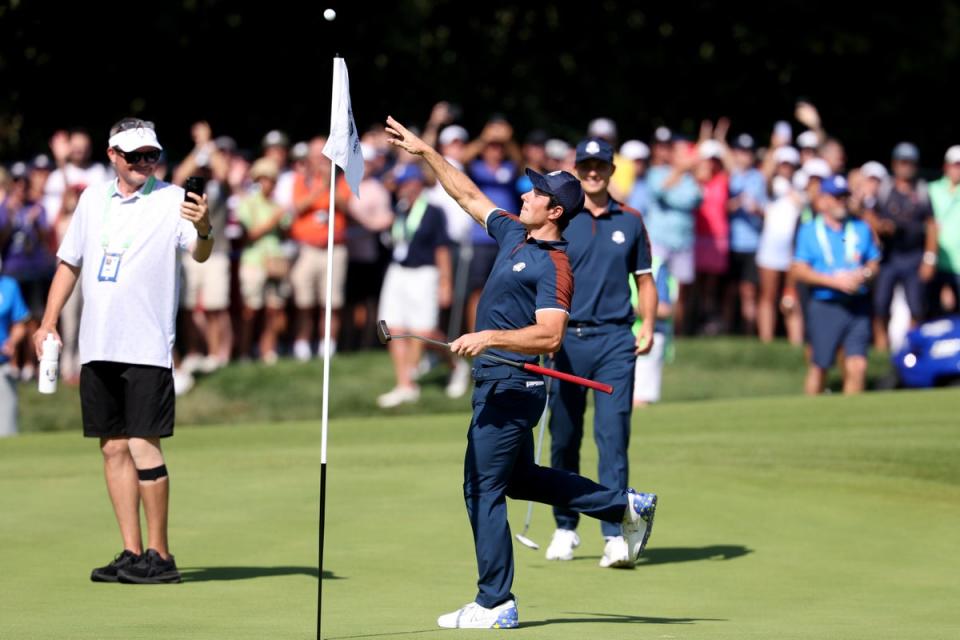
383 333
522 537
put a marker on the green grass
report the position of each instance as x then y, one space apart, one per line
703 369
781 517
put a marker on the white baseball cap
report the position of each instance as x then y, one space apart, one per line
133 139
817 168
808 140
634 150
874 169
602 128
786 155
710 149
453 133
952 156
556 149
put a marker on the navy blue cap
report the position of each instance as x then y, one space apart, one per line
594 149
404 173
906 152
835 185
564 187
744 141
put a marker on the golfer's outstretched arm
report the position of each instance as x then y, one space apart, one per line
455 182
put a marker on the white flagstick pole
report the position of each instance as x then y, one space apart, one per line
325 407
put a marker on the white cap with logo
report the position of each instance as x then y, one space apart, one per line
133 139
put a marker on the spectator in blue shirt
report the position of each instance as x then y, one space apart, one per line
673 195
837 257
748 197
13 316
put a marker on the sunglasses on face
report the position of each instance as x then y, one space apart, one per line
135 157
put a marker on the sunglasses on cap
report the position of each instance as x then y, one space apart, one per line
135 157
134 123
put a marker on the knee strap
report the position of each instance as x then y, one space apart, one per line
152 474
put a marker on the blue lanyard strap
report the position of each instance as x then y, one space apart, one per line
850 241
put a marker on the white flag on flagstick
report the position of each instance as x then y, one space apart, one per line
343 145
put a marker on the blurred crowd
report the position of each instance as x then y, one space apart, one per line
722 208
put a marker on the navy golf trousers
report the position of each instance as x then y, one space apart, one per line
604 353
499 464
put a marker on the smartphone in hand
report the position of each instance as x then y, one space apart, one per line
194 184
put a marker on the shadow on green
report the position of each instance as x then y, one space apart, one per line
216 574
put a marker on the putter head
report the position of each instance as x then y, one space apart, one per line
383 333
527 542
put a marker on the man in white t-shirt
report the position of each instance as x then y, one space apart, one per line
122 246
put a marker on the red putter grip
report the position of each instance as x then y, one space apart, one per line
553 373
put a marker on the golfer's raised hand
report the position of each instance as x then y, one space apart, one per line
471 344
400 136
196 211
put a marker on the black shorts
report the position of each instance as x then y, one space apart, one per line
484 255
126 400
743 267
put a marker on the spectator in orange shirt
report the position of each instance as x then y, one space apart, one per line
311 205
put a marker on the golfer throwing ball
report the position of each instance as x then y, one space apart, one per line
522 314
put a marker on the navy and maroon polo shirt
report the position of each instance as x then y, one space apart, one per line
603 250
528 275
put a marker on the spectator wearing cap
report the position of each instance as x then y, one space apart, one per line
74 167
661 146
534 158
945 198
674 197
866 187
560 156
417 283
608 247
837 257
748 197
311 202
276 146
808 144
907 230
264 268
13 327
775 249
25 235
623 176
638 153
206 291
712 230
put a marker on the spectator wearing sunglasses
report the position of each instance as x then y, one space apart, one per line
122 245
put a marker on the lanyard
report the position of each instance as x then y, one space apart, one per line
107 226
404 227
850 240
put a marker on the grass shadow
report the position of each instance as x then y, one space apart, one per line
615 618
670 555
216 574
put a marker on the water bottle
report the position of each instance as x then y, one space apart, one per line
49 365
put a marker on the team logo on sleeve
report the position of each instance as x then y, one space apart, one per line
520 266
618 237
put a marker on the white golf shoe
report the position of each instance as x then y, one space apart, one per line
562 544
473 616
459 379
638 521
616 554
398 396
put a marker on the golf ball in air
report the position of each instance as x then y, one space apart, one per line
330 15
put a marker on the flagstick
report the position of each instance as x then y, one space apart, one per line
325 410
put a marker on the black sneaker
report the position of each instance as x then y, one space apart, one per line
109 573
150 569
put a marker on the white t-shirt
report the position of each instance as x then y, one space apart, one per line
129 312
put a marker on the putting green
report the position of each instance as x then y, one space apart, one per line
779 518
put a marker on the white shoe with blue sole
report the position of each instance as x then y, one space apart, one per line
473 616
638 521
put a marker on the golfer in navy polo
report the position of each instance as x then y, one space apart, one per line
837 256
608 244
522 314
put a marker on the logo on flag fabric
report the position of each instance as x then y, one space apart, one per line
343 145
